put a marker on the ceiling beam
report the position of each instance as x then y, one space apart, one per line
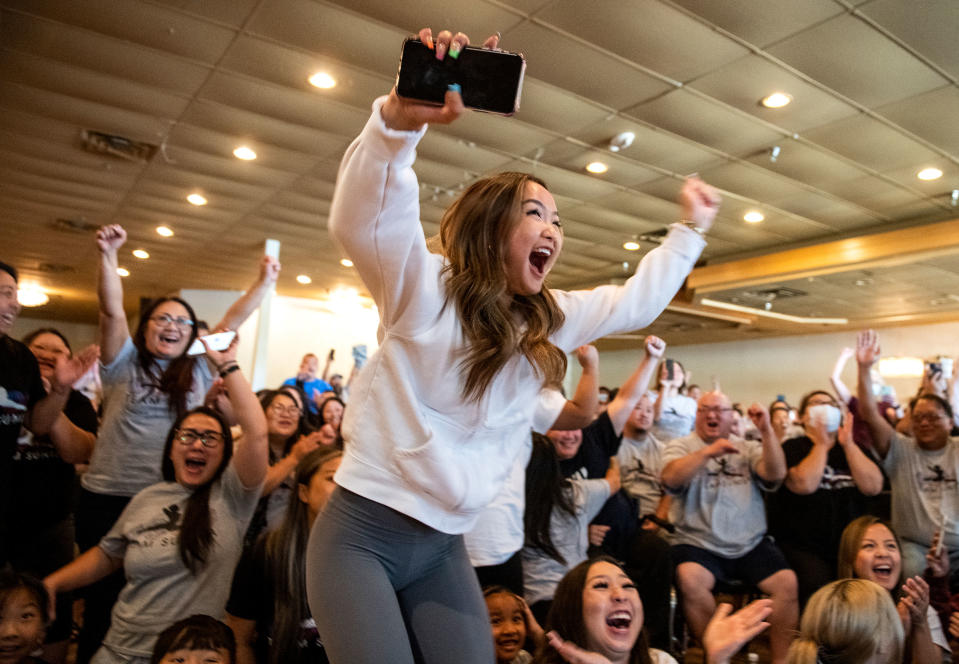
898 247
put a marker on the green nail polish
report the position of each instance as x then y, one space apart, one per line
454 50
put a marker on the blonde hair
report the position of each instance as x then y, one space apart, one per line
474 233
849 621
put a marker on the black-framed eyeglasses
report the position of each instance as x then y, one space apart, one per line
165 320
206 438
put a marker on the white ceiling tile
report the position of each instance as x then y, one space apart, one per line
832 53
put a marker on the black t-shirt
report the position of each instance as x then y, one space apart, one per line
20 388
591 461
43 483
251 598
814 522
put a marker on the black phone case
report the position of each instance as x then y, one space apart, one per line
490 81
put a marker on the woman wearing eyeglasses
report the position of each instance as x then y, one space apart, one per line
148 382
179 540
290 439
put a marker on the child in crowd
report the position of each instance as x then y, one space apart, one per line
24 615
512 623
198 639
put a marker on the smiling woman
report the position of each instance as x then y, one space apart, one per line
471 334
179 540
148 382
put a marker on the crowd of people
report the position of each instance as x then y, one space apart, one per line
447 502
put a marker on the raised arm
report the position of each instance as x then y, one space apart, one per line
375 216
251 458
772 467
804 478
113 331
610 309
836 377
579 411
867 353
636 385
47 413
250 301
865 472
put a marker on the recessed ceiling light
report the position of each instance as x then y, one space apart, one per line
929 174
346 262
32 296
244 153
776 100
631 246
196 199
123 272
754 216
597 167
165 231
303 279
322 80
141 253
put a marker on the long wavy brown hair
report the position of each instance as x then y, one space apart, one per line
498 324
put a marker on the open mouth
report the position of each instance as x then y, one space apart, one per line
619 620
195 464
882 571
508 643
538 259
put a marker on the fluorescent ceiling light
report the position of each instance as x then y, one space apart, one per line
772 314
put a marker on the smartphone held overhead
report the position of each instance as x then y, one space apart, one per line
489 80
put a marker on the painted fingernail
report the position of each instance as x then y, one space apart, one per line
455 50
454 87
429 42
440 50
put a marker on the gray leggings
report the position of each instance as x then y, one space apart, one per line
384 587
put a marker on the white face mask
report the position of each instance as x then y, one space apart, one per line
826 414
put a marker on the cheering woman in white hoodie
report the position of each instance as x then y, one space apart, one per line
468 337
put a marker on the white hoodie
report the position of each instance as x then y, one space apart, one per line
412 442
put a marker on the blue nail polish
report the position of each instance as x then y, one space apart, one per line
454 87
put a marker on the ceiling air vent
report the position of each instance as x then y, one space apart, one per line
56 268
80 225
117 146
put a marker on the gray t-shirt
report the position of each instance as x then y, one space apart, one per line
721 510
924 490
160 589
640 468
570 535
136 420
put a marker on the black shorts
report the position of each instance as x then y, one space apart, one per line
754 567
